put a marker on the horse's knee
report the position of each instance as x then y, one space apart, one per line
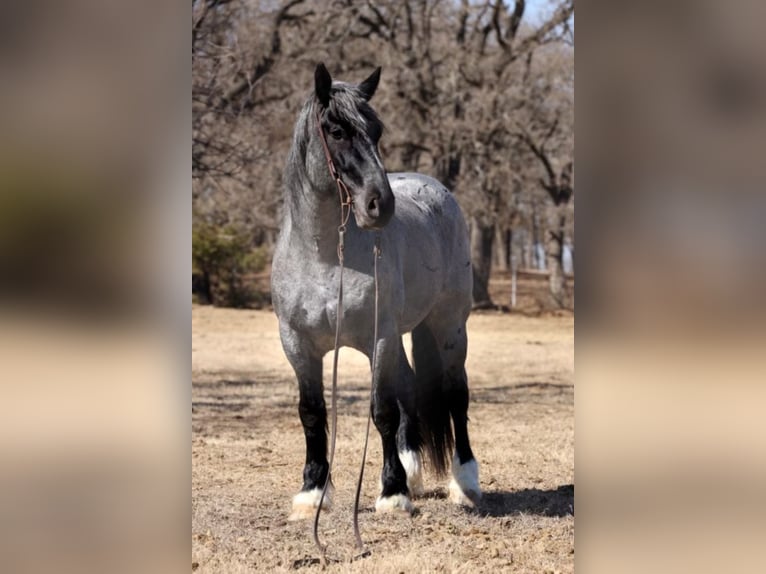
313 415
313 412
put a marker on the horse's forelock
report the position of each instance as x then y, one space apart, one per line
349 106
346 104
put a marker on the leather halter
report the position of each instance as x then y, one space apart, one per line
344 196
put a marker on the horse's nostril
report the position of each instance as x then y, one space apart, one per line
372 207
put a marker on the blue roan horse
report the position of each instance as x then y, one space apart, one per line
425 287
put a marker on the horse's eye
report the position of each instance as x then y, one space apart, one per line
337 133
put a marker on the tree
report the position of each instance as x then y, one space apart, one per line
462 81
546 133
560 189
495 65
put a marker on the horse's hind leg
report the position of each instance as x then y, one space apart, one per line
408 437
464 486
448 336
387 411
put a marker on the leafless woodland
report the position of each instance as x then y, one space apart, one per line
477 94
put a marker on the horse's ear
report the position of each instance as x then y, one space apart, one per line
368 87
322 84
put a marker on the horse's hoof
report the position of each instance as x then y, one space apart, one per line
464 487
467 497
413 466
305 503
395 503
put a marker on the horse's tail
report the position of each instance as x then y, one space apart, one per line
432 400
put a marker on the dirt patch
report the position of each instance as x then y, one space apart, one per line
248 452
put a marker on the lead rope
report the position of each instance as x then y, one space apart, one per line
359 543
345 212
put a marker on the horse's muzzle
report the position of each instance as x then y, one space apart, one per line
373 209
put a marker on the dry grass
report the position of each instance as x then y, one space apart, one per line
248 453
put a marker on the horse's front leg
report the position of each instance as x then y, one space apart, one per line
387 387
307 365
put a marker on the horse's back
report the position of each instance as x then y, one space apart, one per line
420 196
433 226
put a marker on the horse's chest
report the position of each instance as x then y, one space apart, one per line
312 306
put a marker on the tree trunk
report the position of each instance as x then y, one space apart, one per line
555 270
410 158
554 251
502 253
482 239
526 261
571 252
448 170
513 280
539 263
201 286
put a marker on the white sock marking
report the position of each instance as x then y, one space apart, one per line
397 502
464 487
306 502
413 466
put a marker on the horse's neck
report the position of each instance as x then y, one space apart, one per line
314 214
314 222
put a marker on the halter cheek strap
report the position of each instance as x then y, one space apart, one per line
344 196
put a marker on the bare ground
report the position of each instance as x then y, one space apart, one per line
248 453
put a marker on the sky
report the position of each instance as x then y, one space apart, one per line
538 10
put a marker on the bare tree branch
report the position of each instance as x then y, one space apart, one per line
515 19
267 62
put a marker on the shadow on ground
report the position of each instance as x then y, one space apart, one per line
531 392
558 502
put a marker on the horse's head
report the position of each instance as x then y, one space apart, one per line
351 129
